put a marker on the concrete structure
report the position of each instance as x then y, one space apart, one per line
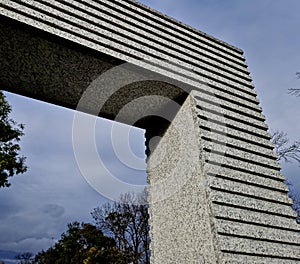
216 191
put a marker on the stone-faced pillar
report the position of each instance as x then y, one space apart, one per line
216 191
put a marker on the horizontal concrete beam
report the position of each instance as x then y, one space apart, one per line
46 67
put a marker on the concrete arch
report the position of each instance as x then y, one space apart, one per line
223 199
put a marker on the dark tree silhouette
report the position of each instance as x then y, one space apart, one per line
10 133
127 222
82 243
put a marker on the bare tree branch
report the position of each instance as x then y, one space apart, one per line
295 91
127 222
284 150
288 152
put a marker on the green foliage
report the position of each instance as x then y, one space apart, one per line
10 133
82 243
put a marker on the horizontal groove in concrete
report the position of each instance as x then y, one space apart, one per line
172 23
215 121
238 145
259 232
241 156
228 96
235 96
231 115
231 162
238 192
247 178
210 164
233 134
140 28
258 218
208 99
125 39
248 190
259 248
240 201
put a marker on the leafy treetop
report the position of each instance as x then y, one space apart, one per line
10 133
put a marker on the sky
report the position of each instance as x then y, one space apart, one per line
34 211
39 204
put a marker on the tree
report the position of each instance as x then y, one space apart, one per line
82 243
10 133
25 258
288 153
127 222
284 150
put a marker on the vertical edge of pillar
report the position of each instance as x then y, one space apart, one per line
180 218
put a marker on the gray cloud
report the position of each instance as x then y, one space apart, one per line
53 210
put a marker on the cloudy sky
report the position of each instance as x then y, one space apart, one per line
35 210
39 204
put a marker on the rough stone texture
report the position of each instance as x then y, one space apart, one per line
38 65
216 191
247 214
45 67
180 222
58 18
